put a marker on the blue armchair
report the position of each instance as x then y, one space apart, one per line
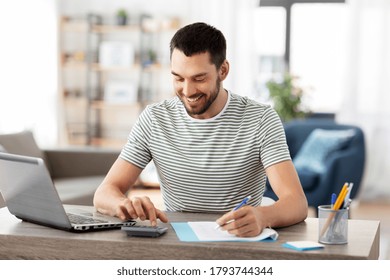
326 155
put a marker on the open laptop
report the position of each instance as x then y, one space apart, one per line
30 195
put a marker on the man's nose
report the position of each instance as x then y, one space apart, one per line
188 88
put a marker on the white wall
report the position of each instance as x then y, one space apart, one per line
28 63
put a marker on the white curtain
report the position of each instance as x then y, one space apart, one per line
367 99
235 20
28 68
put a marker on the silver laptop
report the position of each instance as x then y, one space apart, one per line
30 195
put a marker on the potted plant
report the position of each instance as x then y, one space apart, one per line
287 97
121 17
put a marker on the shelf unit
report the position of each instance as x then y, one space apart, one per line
72 71
108 74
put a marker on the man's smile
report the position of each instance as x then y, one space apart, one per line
194 99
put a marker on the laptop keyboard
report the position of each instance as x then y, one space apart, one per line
78 219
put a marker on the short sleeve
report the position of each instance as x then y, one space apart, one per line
137 147
273 145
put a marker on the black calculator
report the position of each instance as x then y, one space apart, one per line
144 231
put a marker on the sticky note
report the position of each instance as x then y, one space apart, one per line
303 245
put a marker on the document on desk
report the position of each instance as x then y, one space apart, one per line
207 231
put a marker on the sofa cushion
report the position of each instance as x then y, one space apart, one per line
2 149
2 202
318 146
78 190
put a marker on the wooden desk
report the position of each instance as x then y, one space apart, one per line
22 240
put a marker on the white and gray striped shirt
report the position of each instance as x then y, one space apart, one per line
208 165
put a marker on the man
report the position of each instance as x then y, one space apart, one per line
211 147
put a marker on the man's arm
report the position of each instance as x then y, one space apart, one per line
111 199
290 208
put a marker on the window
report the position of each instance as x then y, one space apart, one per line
309 39
318 53
269 37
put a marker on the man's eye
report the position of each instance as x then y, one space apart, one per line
200 79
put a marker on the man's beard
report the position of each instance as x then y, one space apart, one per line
199 111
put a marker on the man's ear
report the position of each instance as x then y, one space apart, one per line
224 70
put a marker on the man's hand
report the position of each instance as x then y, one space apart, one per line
244 222
139 207
111 199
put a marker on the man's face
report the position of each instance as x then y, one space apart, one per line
197 83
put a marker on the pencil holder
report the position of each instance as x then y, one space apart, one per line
333 225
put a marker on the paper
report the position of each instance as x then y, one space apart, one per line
206 231
303 245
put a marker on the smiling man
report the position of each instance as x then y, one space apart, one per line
211 147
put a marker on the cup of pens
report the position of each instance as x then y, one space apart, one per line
333 218
333 225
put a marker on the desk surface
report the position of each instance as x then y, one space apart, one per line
22 240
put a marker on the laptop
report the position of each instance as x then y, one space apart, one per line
30 195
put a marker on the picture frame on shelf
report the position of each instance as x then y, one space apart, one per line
116 54
121 92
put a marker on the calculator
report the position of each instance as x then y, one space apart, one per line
144 231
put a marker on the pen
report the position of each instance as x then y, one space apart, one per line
348 194
341 197
245 201
348 203
333 200
242 203
336 206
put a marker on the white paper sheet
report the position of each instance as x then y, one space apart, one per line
207 231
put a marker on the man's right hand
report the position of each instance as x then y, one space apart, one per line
111 197
139 207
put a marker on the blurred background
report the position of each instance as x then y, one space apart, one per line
78 73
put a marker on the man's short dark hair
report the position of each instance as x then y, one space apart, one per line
199 38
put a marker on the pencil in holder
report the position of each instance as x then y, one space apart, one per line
333 225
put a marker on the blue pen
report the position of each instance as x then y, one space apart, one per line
245 201
333 199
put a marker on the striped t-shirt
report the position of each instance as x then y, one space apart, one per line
208 164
